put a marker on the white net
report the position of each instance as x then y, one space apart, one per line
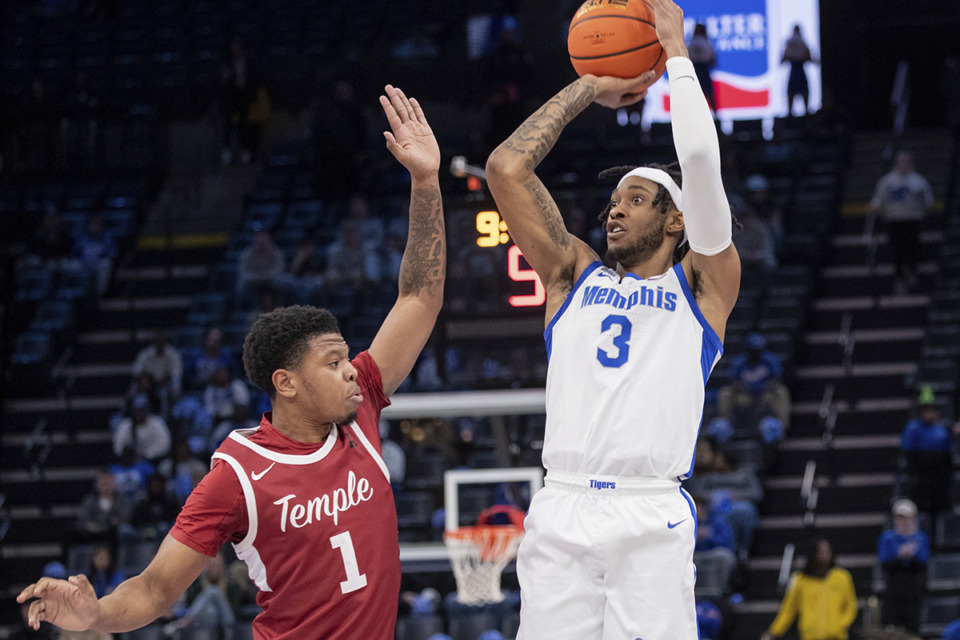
478 555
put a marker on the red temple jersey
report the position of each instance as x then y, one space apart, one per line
315 524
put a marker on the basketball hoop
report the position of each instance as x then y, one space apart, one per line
478 555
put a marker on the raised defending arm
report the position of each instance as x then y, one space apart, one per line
423 268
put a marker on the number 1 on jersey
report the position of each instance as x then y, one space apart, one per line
619 328
355 580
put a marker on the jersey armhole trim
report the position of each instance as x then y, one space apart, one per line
548 332
362 437
709 334
248 496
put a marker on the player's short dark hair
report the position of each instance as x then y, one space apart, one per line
279 340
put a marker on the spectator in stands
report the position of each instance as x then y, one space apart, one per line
903 552
82 123
737 488
797 53
164 364
224 392
268 299
130 474
902 198
239 419
155 514
704 58
184 471
756 384
339 143
709 620
211 355
349 262
757 248
926 448
146 432
103 512
261 265
394 457
715 546
305 273
238 91
759 202
241 591
96 249
51 241
358 210
821 599
209 609
392 250
103 574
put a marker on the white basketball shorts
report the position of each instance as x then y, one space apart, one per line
608 558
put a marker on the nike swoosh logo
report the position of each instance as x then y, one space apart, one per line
674 525
257 476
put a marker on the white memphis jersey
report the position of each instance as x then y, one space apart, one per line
628 363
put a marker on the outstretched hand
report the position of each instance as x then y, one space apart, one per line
411 141
669 19
70 604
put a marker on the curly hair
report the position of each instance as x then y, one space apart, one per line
280 339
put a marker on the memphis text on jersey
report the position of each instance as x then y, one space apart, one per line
645 297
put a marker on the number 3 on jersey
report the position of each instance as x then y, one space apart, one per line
617 329
355 580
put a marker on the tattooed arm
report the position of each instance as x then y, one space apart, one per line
530 212
423 268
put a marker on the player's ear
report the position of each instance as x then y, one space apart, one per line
285 382
674 221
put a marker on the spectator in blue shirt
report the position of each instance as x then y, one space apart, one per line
203 362
96 249
755 382
714 552
903 552
926 447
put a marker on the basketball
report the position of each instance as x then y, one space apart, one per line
615 38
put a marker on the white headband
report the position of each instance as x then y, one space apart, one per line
660 177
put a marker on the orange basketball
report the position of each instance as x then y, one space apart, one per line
615 38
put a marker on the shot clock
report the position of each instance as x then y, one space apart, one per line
493 232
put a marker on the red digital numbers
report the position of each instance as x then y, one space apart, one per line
520 273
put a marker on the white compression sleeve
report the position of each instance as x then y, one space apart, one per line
706 213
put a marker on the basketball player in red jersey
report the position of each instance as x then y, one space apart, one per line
305 498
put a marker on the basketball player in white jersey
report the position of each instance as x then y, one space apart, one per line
608 550
305 498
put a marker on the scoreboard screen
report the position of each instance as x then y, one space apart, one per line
749 36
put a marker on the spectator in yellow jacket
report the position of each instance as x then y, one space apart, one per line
820 598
